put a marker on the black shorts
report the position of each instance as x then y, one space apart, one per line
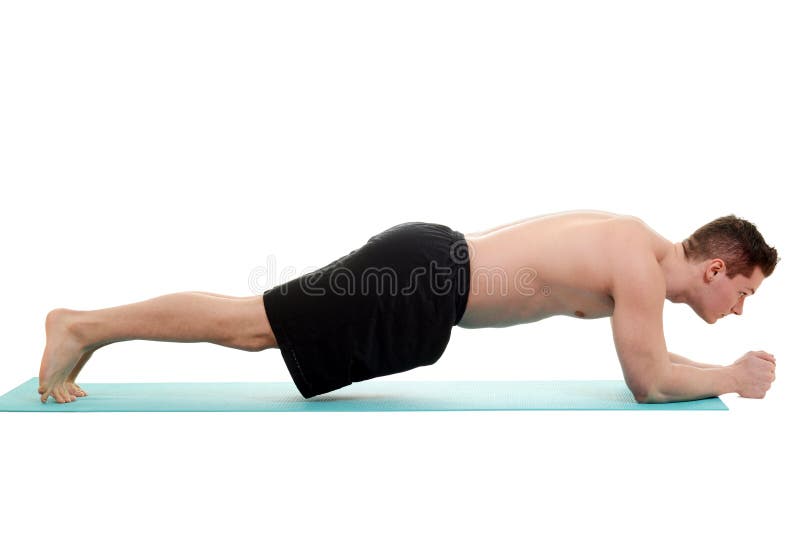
385 308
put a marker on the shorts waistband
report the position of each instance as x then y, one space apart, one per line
459 254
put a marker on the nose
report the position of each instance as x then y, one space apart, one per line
738 309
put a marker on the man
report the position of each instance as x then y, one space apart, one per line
389 306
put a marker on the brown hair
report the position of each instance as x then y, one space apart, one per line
735 241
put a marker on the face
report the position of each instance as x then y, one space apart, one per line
720 295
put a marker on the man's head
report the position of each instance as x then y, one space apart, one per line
732 260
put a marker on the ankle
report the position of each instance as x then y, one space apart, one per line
74 322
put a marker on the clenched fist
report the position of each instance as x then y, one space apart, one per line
754 373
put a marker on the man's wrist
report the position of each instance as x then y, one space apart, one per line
733 379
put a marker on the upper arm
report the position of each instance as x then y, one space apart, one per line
639 290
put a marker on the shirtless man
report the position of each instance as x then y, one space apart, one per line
583 264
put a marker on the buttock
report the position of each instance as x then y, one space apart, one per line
384 308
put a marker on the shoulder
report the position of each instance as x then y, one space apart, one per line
634 251
628 240
630 224
633 228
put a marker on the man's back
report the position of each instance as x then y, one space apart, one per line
555 264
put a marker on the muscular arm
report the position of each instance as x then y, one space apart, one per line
686 382
651 371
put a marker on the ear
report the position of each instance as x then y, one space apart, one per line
714 269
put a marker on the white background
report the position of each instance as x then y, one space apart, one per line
154 147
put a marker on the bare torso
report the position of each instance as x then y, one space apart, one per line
554 264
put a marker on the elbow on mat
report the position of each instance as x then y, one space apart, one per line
647 394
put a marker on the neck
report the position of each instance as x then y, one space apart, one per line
677 274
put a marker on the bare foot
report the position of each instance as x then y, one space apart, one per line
63 352
72 387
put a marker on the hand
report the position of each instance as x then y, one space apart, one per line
754 373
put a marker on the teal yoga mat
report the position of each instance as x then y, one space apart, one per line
368 396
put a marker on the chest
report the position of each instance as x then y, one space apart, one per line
581 303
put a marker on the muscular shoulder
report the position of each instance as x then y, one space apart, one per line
630 223
630 237
634 250
636 231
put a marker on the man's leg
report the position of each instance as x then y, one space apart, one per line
73 336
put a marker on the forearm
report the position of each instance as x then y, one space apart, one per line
687 382
686 361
